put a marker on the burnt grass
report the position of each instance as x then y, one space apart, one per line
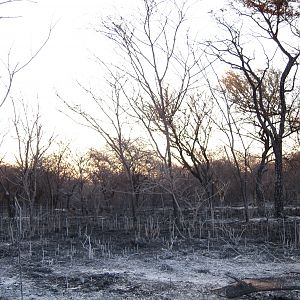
75 257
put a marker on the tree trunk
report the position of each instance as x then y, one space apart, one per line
242 181
176 212
278 189
11 209
133 209
244 194
259 191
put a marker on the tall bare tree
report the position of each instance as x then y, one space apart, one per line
240 94
265 34
159 64
231 124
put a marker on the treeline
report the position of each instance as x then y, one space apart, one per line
97 184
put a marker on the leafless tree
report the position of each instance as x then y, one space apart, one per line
31 149
159 64
272 28
59 176
8 187
112 122
81 162
232 126
240 94
102 176
107 170
191 131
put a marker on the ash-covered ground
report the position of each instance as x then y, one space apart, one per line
116 266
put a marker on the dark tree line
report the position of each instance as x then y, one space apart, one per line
97 184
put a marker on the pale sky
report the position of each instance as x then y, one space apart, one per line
66 57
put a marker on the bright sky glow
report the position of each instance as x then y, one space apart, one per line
66 57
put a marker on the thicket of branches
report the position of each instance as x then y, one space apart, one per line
96 183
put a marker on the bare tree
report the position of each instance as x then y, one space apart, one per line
8 187
273 31
159 64
240 94
106 168
31 149
102 170
112 123
81 162
231 125
59 176
190 135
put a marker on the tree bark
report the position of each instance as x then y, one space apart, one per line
278 189
133 209
259 187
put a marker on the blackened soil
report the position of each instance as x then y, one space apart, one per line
119 265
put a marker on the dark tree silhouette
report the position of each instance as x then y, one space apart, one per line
273 30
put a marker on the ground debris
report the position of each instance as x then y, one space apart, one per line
248 286
63 270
